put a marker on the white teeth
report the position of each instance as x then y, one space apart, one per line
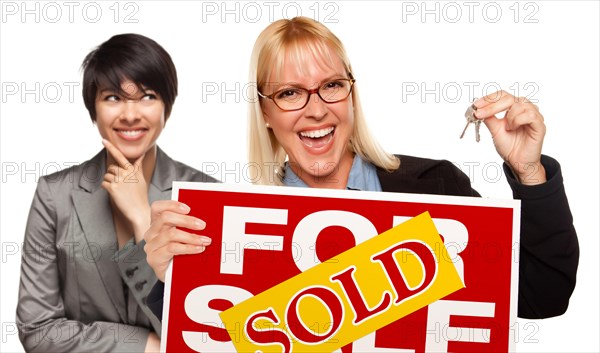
317 133
131 133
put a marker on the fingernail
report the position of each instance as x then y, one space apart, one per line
205 240
199 224
184 207
199 248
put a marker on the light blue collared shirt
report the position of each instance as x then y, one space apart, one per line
363 176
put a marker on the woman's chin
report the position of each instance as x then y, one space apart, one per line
134 152
131 154
318 169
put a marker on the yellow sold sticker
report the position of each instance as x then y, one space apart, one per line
337 302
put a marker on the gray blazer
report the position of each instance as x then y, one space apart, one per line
79 292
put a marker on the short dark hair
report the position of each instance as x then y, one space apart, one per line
130 57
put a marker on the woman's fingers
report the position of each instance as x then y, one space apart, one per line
161 206
493 104
116 154
173 235
164 240
169 242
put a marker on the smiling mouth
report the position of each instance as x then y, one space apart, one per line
317 138
131 134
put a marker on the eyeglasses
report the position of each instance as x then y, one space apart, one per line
296 98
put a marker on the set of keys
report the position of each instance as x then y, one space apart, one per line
472 119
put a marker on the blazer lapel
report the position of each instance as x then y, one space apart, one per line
162 178
92 205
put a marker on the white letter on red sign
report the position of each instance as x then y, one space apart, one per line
456 238
197 309
234 232
309 227
438 317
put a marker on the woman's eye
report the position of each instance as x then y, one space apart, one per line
333 85
112 98
149 96
288 94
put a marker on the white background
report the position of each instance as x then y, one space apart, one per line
548 51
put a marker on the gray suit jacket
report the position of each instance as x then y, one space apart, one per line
79 292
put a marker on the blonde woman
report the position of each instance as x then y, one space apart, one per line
307 120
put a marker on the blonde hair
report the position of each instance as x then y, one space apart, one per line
297 38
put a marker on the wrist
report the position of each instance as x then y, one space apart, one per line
141 224
532 173
152 343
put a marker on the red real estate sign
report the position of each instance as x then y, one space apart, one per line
263 236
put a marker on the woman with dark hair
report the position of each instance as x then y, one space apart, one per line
84 275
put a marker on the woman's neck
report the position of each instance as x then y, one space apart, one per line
148 163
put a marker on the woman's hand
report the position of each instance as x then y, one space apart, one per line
152 344
518 136
164 240
128 190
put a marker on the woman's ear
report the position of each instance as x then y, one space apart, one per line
266 119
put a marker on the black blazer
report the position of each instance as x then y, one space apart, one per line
549 250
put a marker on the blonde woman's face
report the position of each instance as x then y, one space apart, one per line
315 137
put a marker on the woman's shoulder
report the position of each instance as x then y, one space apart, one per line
185 172
426 176
419 166
89 172
182 171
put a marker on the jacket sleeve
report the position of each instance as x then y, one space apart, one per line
138 276
41 320
549 249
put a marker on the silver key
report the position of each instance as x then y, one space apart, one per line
472 119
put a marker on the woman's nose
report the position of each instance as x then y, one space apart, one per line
316 108
130 110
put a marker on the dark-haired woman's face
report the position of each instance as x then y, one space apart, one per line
132 121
